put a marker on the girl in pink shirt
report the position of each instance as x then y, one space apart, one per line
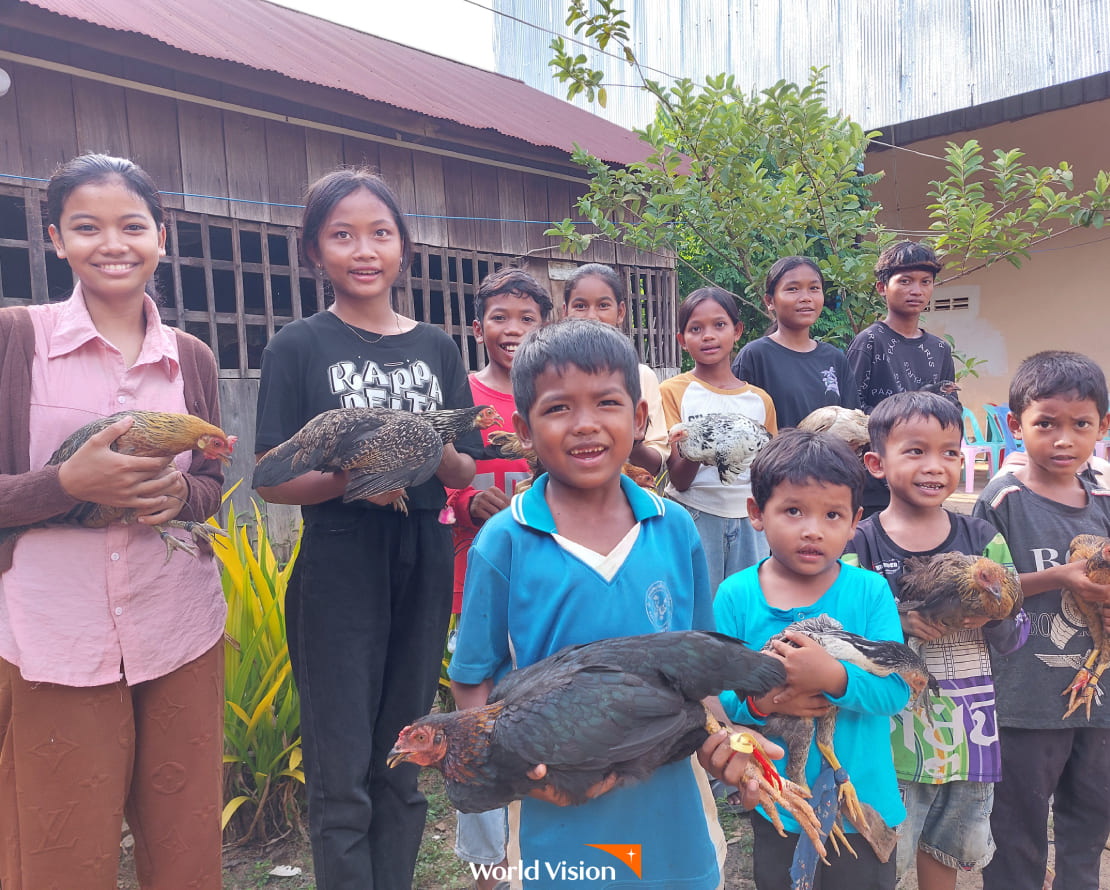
111 657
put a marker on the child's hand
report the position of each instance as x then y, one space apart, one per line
99 475
559 798
174 494
719 760
914 624
809 668
486 503
799 704
1073 576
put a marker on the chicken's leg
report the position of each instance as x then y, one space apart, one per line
826 726
198 531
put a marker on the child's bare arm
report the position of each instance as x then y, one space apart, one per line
471 695
1071 575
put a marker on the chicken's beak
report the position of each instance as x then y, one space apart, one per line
396 757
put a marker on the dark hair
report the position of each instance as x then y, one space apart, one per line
906 256
801 456
89 168
904 406
327 191
786 264
596 270
511 280
589 345
718 295
1057 373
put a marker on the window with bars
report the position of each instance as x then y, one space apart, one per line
233 283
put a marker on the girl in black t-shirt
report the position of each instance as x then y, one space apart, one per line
370 595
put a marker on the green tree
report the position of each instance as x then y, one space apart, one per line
735 181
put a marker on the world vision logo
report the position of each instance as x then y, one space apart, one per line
629 854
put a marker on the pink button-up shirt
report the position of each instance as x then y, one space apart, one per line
81 606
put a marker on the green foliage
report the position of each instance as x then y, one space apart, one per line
262 747
986 211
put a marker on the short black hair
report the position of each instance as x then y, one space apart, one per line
801 456
904 406
1057 373
906 256
595 270
589 345
515 281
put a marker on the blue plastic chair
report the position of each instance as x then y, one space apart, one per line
978 444
999 429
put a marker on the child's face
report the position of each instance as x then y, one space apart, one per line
582 426
798 298
807 525
709 334
1059 433
360 247
507 318
908 292
593 298
921 462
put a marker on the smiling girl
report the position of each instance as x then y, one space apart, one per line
709 326
111 657
370 595
799 373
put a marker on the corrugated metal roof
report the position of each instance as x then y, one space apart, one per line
273 38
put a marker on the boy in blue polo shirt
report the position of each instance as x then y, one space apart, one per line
583 555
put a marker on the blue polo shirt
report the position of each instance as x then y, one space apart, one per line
526 596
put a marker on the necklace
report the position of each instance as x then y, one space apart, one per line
358 333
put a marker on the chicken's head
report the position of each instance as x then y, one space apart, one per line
487 417
420 743
217 447
678 433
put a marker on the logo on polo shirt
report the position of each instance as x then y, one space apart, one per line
659 605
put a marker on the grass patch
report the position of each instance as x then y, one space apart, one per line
436 864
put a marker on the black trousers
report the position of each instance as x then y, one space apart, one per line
367 609
1071 766
773 855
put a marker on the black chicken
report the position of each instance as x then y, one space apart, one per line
382 449
949 587
622 706
879 657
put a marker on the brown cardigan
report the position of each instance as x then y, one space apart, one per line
28 497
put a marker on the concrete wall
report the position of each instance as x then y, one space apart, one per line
1060 298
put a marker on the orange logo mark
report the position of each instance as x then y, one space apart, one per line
629 854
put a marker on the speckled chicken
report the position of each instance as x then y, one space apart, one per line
382 449
949 587
1081 691
728 442
152 434
849 424
878 657
622 706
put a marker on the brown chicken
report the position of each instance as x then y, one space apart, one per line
381 449
152 434
949 587
849 424
1081 691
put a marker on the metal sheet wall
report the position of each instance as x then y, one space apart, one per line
888 60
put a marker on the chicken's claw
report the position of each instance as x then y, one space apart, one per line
201 533
400 503
849 800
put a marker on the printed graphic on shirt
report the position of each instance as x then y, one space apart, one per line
659 605
831 383
404 386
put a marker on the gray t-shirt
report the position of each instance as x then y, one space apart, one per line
1028 682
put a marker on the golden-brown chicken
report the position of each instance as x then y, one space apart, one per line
949 587
1081 691
152 434
849 424
380 448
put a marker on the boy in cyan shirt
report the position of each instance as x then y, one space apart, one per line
947 763
806 490
583 555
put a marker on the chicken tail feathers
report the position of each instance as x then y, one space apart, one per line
279 465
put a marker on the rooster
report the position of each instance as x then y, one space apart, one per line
878 657
949 587
728 442
382 449
622 706
1081 691
152 434
849 424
